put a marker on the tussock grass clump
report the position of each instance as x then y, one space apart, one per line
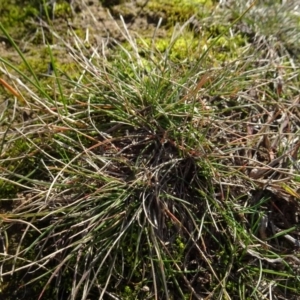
146 179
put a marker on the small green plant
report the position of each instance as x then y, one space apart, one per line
156 170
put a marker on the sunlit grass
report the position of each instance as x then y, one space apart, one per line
149 179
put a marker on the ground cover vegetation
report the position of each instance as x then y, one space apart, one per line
149 149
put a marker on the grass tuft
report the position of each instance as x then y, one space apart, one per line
145 178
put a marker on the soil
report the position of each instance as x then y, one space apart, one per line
92 20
